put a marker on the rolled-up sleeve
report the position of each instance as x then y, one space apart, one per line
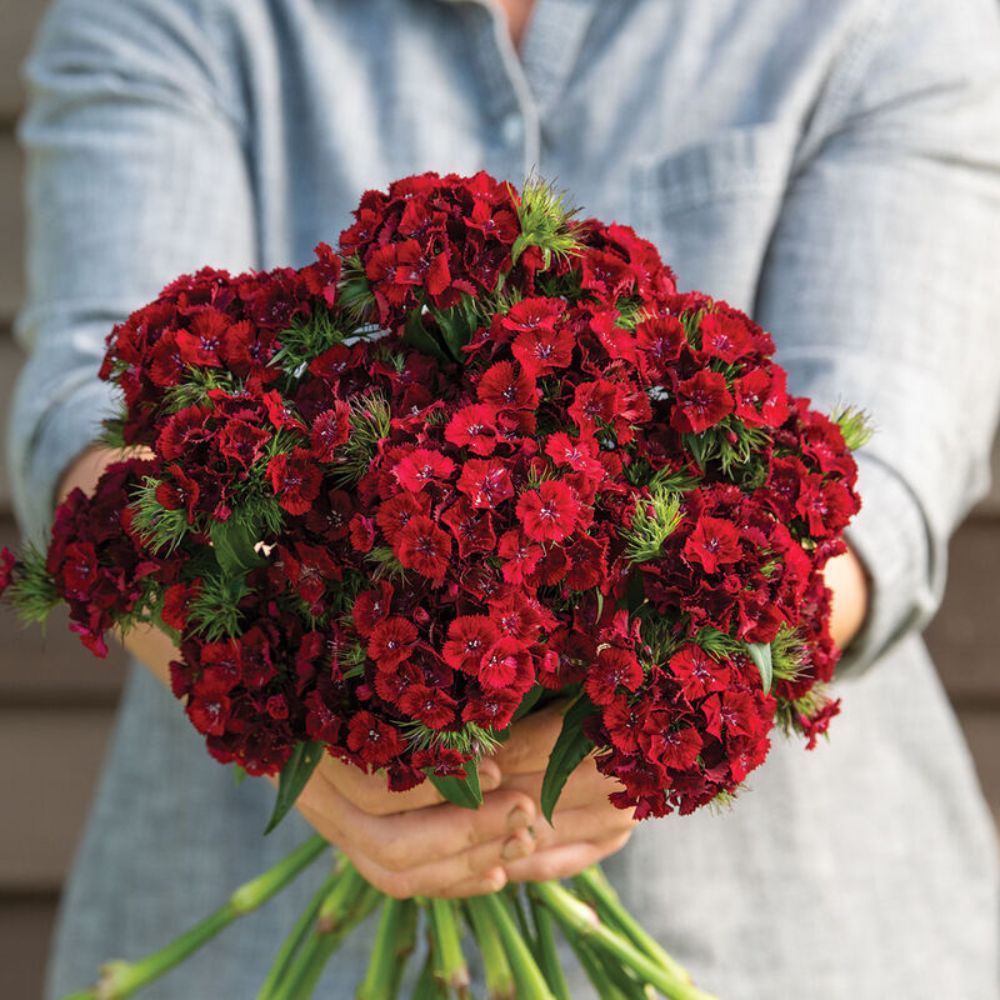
136 172
881 287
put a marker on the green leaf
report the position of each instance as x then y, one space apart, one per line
528 702
456 326
760 653
239 775
571 747
463 792
294 776
233 542
417 335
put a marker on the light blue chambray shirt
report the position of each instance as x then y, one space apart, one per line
833 167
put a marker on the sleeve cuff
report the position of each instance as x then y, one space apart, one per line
66 429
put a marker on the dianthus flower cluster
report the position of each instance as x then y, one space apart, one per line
481 456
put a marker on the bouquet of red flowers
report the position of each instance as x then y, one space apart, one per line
482 456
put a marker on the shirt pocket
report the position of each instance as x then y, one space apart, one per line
711 206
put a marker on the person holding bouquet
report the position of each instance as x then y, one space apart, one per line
816 192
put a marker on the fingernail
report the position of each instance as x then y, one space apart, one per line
518 819
514 848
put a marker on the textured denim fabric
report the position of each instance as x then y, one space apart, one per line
832 167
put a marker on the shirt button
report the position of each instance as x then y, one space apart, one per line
512 129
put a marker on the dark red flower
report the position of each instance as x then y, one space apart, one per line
472 528
295 479
548 514
660 341
374 741
241 442
469 636
391 641
200 345
503 664
580 454
424 547
362 533
761 399
473 427
676 748
713 543
7 563
614 668
330 430
702 401
541 350
176 600
395 513
520 557
421 467
504 386
725 336
432 706
371 607
486 482
698 673
322 277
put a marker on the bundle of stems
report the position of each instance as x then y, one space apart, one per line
514 931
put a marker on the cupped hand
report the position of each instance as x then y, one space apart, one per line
585 826
414 843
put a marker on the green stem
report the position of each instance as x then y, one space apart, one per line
513 894
349 902
122 979
427 987
594 969
294 941
530 982
626 986
449 963
577 918
593 884
382 980
499 977
406 941
548 957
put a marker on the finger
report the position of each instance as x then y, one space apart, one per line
590 824
563 861
407 840
491 881
585 785
370 793
531 740
472 868
440 833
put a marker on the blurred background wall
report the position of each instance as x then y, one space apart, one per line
57 702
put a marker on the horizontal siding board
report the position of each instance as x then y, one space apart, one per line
25 929
989 507
982 731
52 761
11 225
964 637
20 17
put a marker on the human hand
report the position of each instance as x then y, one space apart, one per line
414 843
847 579
585 826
